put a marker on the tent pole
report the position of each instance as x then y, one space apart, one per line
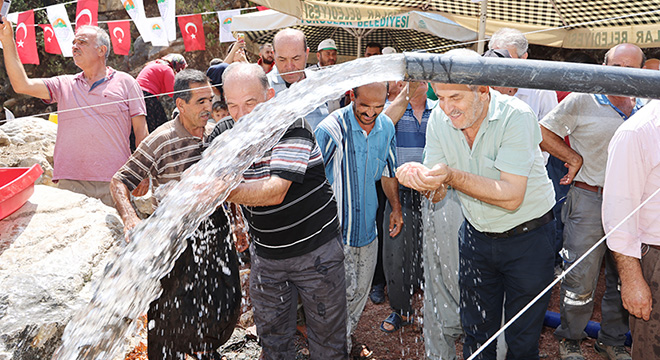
359 45
482 27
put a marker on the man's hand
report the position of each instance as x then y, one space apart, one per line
129 223
573 169
241 237
419 177
636 297
396 222
142 188
6 32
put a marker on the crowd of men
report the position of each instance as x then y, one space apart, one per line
357 195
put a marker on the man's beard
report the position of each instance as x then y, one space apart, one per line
266 61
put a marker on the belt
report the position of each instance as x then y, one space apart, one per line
657 247
585 186
525 227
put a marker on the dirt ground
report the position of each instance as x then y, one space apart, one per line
407 343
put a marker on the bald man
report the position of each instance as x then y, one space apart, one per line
291 52
590 122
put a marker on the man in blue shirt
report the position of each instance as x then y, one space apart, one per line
358 147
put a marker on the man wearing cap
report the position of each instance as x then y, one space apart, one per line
291 53
327 56
327 53
97 108
590 121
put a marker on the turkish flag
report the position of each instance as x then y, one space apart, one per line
50 41
262 8
120 34
26 40
192 30
87 13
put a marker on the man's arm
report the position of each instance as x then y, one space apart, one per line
139 128
391 190
398 107
635 292
507 193
120 194
260 193
556 146
17 76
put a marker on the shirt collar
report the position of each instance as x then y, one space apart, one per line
604 100
109 74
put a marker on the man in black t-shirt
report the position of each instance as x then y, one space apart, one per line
297 246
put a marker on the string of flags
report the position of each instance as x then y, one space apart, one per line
160 31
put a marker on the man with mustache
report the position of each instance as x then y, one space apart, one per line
485 145
359 147
187 319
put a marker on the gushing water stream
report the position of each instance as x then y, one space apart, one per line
131 282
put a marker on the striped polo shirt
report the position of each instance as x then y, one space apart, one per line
411 134
307 218
166 153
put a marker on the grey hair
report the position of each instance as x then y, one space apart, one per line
241 68
102 37
262 46
184 79
506 37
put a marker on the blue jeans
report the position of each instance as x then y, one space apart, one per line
490 269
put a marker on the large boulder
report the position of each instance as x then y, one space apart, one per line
28 141
51 249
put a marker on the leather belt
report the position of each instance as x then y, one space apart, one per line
657 247
585 186
525 227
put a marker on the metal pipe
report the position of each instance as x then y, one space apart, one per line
537 74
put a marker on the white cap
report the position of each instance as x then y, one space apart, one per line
389 50
327 44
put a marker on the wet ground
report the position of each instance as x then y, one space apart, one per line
407 343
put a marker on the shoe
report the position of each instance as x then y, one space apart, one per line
612 352
377 294
397 322
361 352
570 350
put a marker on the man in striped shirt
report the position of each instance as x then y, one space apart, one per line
296 248
359 148
164 155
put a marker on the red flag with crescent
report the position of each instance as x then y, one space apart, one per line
87 12
50 41
26 40
120 34
192 30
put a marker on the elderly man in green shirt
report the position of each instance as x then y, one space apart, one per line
486 146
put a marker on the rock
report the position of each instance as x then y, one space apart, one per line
30 141
50 251
4 139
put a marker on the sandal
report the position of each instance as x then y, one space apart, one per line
396 321
361 352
